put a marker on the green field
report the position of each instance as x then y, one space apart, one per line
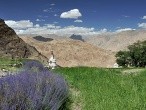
9 61
106 89
100 88
11 64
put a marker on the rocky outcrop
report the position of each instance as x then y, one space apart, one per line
14 47
77 37
43 39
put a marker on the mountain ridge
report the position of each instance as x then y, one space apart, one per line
113 41
118 41
12 46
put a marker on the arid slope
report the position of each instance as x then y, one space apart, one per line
117 41
74 53
12 46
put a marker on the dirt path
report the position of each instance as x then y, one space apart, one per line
77 102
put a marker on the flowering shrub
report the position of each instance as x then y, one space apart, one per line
33 65
31 90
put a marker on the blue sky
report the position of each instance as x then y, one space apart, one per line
93 15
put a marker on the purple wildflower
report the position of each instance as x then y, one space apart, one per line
33 90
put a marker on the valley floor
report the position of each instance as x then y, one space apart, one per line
102 88
106 89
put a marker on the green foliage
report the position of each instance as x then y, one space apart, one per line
12 64
122 58
8 63
106 89
135 56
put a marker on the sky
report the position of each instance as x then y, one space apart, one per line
73 16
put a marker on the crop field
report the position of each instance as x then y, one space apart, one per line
106 89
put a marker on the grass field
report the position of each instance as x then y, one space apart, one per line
102 89
7 63
106 89
11 64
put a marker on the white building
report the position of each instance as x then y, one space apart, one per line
52 61
115 65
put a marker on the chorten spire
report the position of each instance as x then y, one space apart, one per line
52 61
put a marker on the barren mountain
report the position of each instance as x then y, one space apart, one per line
109 41
14 47
95 51
73 52
117 41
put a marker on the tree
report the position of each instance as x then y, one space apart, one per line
135 56
122 58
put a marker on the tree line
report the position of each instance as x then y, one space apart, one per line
135 56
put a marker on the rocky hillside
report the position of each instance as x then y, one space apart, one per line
76 37
14 47
117 41
108 41
73 52
94 51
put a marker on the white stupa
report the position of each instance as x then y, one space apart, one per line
52 61
116 65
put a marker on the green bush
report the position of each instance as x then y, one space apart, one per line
135 55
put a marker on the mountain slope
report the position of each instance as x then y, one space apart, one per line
74 53
117 41
14 47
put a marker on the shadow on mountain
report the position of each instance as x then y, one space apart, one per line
77 37
43 39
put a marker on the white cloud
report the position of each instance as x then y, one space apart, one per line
74 13
50 10
23 24
38 20
78 21
52 4
104 30
55 22
28 27
45 10
37 25
55 15
75 30
144 17
142 25
124 29
51 26
125 16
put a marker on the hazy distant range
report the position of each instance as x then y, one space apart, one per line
108 41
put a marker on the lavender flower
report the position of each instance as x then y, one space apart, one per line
33 65
33 90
